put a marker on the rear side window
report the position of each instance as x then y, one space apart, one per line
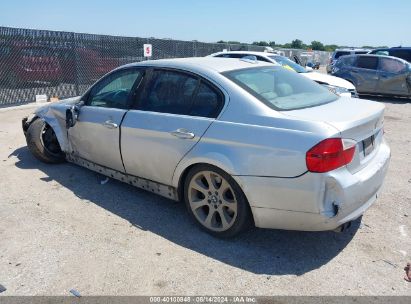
340 53
260 58
207 102
391 65
367 62
180 93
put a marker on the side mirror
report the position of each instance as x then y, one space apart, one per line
71 116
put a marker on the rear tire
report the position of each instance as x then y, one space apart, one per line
43 144
216 202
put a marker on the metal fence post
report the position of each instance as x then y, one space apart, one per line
76 63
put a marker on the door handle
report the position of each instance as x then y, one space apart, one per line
183 133
110 124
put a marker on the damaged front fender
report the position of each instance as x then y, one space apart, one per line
55 116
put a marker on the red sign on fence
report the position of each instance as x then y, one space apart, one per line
148 50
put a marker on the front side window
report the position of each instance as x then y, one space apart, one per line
176 92
367 62
113 91
391 65
281 89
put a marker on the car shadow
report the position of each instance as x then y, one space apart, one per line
387 99
260 251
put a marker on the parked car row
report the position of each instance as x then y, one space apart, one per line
334 84
243 142
377 74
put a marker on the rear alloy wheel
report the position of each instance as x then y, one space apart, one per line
216 202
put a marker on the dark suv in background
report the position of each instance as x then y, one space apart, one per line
400 52
375 74
343 52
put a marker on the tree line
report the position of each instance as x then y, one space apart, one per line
299 44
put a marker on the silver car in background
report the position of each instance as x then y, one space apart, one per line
334 84
376 74
240 142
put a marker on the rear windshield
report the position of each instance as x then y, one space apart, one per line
281 89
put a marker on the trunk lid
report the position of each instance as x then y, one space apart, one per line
356 119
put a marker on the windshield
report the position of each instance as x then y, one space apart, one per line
281 89
287 63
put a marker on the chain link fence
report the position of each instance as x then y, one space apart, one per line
65 64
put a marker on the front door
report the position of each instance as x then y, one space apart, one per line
172 113
96 135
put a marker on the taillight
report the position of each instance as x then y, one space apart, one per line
330 154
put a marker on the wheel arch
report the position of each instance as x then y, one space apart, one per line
222 163
55 119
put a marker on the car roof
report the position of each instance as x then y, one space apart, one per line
199 64
352 50
408 48
246 52
375 55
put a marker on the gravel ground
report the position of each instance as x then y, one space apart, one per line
61 229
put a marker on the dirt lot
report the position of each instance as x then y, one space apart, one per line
61 229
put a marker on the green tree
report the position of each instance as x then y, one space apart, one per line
296 44
261 43
317 46
330 47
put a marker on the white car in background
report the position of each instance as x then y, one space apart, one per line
336 85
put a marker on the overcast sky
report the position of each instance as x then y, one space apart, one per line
348 22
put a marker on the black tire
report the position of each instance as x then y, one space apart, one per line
243 219
36 137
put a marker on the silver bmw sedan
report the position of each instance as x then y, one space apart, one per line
241 142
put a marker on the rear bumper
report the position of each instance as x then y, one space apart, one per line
315 202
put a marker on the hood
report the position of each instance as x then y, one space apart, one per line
331 80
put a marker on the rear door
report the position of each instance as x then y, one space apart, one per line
171 113
364 74
392 77
96 135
